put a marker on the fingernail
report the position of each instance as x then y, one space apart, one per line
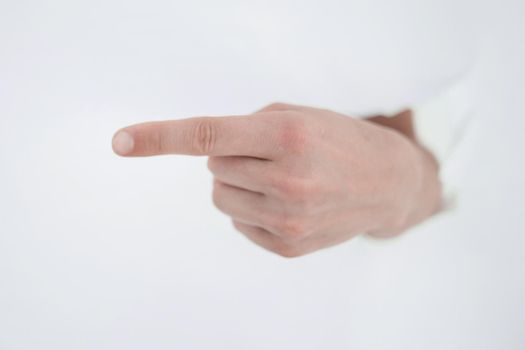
123 143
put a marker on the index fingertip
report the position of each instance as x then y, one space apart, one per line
123 143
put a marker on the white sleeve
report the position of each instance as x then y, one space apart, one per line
440 124
441 120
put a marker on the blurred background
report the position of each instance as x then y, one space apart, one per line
100 252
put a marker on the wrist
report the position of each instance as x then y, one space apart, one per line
428 197
420 198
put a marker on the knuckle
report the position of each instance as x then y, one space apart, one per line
205 135
294 135
295 189
213 164
217 195
238 226
276 106
288 250
291 227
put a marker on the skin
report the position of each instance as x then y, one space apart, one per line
298 179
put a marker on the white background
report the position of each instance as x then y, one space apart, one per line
99 252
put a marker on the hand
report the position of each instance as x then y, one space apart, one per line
297 179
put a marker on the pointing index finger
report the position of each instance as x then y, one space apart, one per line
251 136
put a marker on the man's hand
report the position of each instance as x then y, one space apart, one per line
297 179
